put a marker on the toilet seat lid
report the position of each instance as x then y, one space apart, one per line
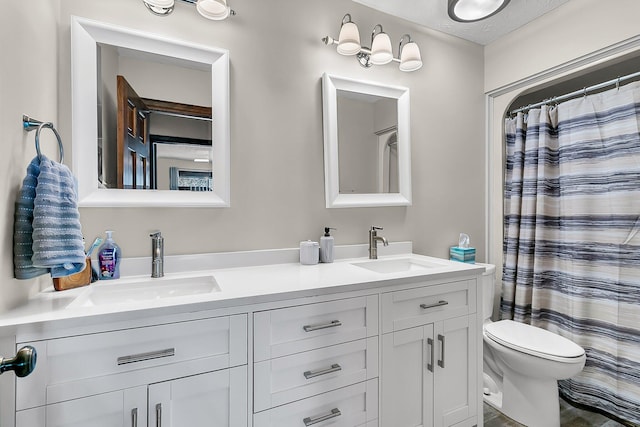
532 340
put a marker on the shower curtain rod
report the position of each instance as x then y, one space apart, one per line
576 93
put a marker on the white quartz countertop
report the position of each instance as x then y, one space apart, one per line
232 286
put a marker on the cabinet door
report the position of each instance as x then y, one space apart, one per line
216 398
126 408
407 378
455 371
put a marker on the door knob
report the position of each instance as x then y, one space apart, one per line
22 364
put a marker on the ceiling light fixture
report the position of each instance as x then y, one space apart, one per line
216 10
380 53
474 10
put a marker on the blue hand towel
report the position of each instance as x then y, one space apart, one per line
56 238
23 226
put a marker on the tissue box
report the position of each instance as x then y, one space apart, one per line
467 255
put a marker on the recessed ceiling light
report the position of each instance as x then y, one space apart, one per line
474 10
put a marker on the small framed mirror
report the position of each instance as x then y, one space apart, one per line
150 119
367 153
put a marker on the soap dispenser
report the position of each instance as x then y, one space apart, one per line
326 246
109 258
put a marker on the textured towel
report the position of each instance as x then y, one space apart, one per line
23 225
56 238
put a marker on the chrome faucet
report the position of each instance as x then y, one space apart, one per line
373 242
157 254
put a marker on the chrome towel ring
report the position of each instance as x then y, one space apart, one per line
30 124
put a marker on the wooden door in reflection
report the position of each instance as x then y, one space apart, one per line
134 162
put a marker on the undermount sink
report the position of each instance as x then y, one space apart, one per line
145 290
387 266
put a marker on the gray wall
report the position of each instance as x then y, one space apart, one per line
28 85
277 187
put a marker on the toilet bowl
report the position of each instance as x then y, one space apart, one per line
522 365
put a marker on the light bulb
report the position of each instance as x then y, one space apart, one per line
349 39
216 10
410 59
381 49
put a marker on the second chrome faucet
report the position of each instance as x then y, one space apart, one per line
373 242
157 255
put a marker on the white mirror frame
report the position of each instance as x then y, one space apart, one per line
330 85
85 36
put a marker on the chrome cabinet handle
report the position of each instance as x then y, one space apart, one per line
335 412
435 304
23 363
141 357
158 414
134 417
430 364
333 368
441 361
332 324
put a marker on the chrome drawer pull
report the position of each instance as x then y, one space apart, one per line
332 324
435 304
134 417
333 368
441 361
141 357
335 412
430 364
159 415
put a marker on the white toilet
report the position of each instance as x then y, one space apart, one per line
522 365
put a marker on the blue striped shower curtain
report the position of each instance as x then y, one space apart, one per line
572 238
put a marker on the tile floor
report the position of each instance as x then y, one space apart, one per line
570 416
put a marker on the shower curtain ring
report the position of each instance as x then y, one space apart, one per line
618 84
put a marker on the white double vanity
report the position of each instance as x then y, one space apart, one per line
391 342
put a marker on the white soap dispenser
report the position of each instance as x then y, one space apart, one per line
326 246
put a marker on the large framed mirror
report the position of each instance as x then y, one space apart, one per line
367 153
150 119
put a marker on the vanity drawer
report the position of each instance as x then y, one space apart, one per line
355 405
83 365
419 306
294 377
301 328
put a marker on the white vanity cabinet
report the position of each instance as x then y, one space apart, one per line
174 374
429 356
383 350
317 364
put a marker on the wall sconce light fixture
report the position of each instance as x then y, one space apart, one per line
216 10
474 10
380 52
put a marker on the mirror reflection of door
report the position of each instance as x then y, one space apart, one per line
142 158
143 96
133 165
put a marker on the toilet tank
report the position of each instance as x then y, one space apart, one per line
488 290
